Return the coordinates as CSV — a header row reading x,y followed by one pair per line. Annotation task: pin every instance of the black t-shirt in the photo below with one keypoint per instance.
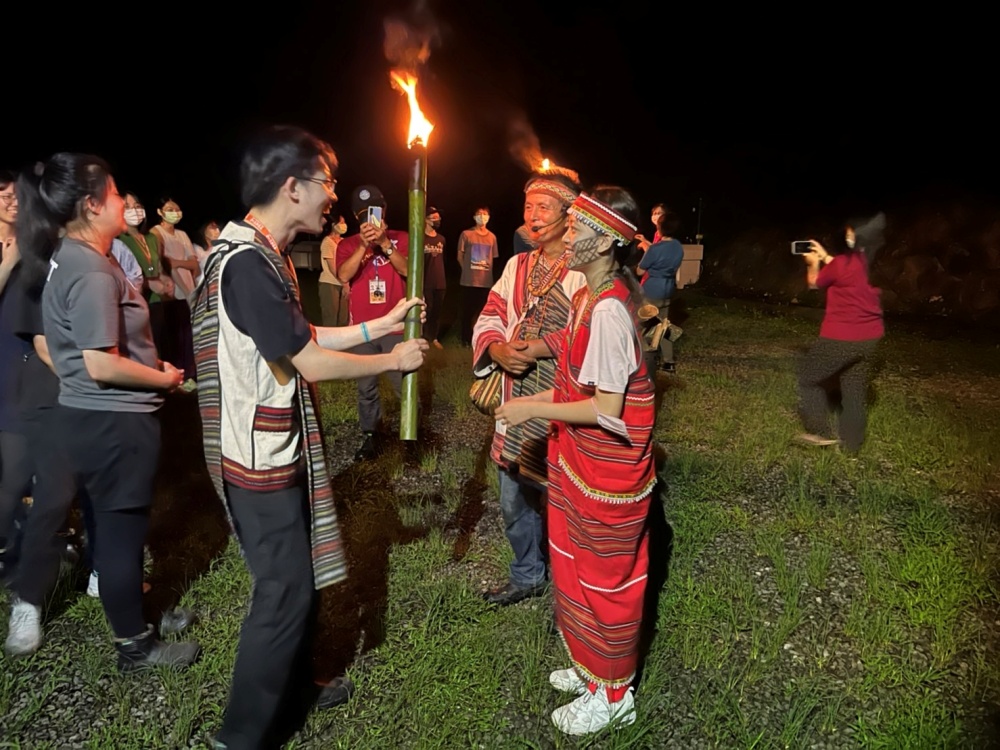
x,y
260,306
434,262
38,386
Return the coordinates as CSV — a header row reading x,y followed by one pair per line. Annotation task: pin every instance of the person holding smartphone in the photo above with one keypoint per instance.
x,y
373,263
851,329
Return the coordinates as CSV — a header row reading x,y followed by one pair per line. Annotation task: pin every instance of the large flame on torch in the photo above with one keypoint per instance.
x,y
420,126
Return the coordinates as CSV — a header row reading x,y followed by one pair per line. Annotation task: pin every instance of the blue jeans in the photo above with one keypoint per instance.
x,y
521,506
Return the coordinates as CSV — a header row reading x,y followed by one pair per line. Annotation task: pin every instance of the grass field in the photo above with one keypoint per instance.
x,y
808,599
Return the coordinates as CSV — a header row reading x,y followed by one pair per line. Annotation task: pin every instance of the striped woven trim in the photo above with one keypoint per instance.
x,y
328,559
606,497
602,218
263,480
273,419
550,187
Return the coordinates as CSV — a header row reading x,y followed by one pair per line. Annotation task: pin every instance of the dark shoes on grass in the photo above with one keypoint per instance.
x,y
145,651
369,448
512,594
337,692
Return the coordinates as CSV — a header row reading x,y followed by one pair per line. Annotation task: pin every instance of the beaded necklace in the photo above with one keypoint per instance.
x,y
538,288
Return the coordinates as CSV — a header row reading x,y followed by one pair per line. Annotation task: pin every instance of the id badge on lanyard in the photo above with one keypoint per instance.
x,y
376,290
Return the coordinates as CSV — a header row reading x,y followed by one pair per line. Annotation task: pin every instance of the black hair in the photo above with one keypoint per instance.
x,y
669,222
7,178
201,233
481,208
869,234
620,201
277,153
53,195
164,200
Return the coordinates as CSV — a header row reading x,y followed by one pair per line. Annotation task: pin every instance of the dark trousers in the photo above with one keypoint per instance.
x,y
830,362
333,304
369,403
273,531
435,303
15,480
473,301
178,343
114,456
42,548
156,324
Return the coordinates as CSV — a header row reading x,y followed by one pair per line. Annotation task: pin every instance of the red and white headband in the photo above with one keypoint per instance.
x,y
602,218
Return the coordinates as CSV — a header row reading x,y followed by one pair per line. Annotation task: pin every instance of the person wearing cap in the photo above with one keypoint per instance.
x,y
258,359
531,299
434,277
373,263
601,471
477,249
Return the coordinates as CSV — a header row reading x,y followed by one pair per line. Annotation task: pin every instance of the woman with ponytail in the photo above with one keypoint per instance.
x,y
851,329
111,385
601,472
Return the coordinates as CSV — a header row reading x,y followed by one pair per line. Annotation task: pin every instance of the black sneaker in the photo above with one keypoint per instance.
x,y
368,449
512,594
668,367
337,692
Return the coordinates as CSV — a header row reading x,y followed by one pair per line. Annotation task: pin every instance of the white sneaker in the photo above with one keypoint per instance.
x,y
592,712
24,634
568,681
93,588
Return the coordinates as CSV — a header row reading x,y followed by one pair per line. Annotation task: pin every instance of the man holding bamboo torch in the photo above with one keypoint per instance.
x,y
258,359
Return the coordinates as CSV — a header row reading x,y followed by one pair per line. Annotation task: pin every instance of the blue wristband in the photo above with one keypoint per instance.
x,y
364,332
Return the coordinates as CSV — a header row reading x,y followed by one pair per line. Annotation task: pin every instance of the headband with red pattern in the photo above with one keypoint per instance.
x,y
557,190
601,218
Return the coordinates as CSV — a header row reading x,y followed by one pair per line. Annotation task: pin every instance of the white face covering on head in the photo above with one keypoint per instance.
x,y
340,228
482,219
172,217
135,216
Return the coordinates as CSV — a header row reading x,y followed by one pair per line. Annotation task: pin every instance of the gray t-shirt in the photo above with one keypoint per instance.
x,y
89,304
476,253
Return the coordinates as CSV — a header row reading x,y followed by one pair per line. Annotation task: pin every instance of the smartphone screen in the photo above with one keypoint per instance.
x,y
801,247
375,216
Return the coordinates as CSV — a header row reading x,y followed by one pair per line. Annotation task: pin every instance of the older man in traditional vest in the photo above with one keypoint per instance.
x,y
531,300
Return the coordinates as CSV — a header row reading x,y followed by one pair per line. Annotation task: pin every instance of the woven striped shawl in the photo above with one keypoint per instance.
x,y
329,564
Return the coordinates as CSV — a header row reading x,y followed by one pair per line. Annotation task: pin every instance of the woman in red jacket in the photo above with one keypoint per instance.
x,y
851,329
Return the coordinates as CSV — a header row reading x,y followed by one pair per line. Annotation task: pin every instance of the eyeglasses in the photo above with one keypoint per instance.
x,y
8,198
328,182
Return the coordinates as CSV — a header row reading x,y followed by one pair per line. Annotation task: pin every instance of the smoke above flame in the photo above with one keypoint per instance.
x,y
526,149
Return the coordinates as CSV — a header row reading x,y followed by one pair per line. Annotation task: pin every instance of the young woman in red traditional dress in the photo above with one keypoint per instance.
x,y
601,472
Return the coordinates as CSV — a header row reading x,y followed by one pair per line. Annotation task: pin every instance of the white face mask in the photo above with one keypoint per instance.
x,y
172,217
340,228
482,219
135,216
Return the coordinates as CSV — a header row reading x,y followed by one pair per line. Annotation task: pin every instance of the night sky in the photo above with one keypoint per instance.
x,y
766,119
